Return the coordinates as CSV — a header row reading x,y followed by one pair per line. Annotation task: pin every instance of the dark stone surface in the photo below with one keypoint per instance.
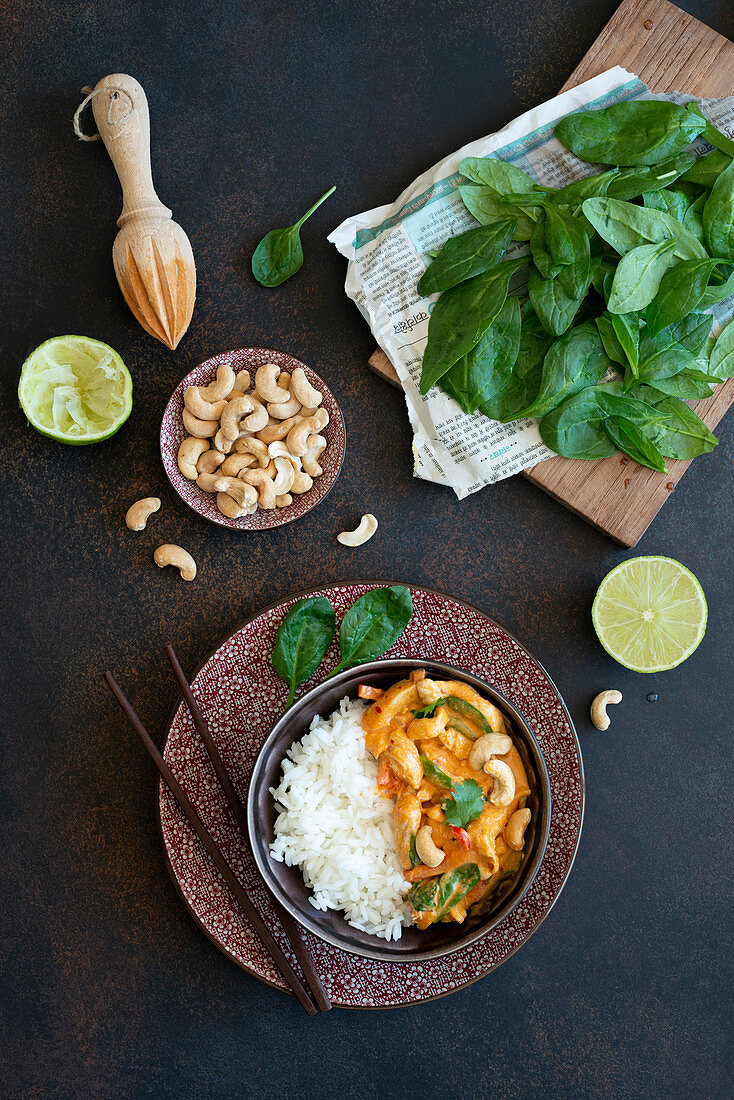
x,y
110,990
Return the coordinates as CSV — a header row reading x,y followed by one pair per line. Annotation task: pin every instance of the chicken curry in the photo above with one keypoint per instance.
x,y
445,755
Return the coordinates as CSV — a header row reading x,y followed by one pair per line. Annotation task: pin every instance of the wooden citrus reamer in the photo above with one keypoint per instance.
x,y
152,255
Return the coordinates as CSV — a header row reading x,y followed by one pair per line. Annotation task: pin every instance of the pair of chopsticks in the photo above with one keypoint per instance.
x,y
314,998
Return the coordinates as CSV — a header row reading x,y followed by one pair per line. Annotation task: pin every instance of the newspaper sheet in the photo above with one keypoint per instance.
x,y
387,251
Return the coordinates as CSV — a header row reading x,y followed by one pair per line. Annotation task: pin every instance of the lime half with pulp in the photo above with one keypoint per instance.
x,y
75,389
649,613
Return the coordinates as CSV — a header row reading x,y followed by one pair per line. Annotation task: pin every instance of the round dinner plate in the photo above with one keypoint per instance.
x,y
173,433
241,696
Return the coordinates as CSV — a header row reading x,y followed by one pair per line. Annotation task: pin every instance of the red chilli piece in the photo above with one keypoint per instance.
x,y
462,836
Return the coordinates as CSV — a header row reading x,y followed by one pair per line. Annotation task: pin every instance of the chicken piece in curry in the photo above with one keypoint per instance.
x,y
445,755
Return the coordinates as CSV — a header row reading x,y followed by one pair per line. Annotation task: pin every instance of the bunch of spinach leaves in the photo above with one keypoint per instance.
x,y
622,266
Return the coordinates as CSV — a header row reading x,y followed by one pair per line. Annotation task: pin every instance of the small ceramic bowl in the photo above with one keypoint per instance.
x,y
173,433
286,883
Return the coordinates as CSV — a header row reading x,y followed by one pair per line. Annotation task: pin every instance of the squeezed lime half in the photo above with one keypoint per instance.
x,y
75,390
650,613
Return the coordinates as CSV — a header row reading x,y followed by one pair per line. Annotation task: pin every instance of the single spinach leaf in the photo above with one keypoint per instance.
x,y
576,360
712,135
674,203
633,182
302,641
692,220
715,294
453,886
721,361
625,226
662,361
524,382
466,804
484,370
620,335
642,131
568,244
637,278
552,305
680,291
435,775
483,203
692,333
628,437
718,216
689,384
461,316
415,859
373,624
422,896
469,254
591,187
546,265
575,428
280,253
682,434
706,170
501,175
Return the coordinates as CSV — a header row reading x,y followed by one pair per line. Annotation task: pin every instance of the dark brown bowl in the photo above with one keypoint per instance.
x,y
286,883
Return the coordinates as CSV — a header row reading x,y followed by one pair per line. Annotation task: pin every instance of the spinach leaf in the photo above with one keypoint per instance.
x,y
415,859
637,278
591,187
718,216
469,254
575,428
568,244
577,359
524,382
688,384
453,886
706,170
280,253
625,226
546,265
662,360
501,175
692,332
715,294
553,306
466,710
721,361
620,335
461,316
628,437
302,641
633,182
674,203
682,434
484,204
713,136
637,132
680,291
435,775
423,894
373,624
692,219
466,804
485,370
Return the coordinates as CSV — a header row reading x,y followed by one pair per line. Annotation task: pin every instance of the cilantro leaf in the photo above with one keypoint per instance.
x,y
429,709
466,805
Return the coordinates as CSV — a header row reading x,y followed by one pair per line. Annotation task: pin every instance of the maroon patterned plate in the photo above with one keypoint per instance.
x,y
173,433
241,696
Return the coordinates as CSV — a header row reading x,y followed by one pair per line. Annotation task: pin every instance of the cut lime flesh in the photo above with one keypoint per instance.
x,y
75,390
650,613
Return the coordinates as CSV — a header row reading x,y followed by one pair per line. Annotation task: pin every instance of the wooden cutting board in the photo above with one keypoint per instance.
x,y
670,51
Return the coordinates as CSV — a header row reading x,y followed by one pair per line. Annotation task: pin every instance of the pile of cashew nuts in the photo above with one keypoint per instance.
x,y
253,449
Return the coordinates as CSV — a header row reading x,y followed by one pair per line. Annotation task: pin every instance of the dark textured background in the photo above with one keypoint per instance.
x,y
110,988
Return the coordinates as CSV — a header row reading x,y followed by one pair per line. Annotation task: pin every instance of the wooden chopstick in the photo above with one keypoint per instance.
x,y
293,981
292,931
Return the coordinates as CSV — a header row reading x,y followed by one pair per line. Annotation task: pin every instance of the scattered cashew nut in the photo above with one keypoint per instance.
x,y
138,513
266,384
599,715
302,389
515,829
426,849
503,791
365,531
487,746
170,554
189,454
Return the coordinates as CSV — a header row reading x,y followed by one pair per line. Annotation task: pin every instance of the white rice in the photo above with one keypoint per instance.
x,y
334,827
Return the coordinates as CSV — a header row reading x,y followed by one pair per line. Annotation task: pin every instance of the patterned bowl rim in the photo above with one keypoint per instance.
x,y
285,519
224,638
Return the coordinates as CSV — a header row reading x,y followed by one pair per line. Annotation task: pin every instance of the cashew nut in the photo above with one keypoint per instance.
x,y
297,441
302,389
205,410
599,715
366,529
189,454
170,554
284,501
515,829
264,485
229,507
323,418
284,476
316,444
503,791
222,443
202,429
212,483
249,446
210,461
302,482
282,410
426,849
138,513
258,418
278,449
487,746
245,495
233,413
242,381
266,384
221,389
275,430
233,464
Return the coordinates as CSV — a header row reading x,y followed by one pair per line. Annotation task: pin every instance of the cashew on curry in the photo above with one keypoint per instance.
x,y
444,754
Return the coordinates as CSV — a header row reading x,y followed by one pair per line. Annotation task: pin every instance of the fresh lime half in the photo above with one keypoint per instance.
x,y
75,389
649,613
